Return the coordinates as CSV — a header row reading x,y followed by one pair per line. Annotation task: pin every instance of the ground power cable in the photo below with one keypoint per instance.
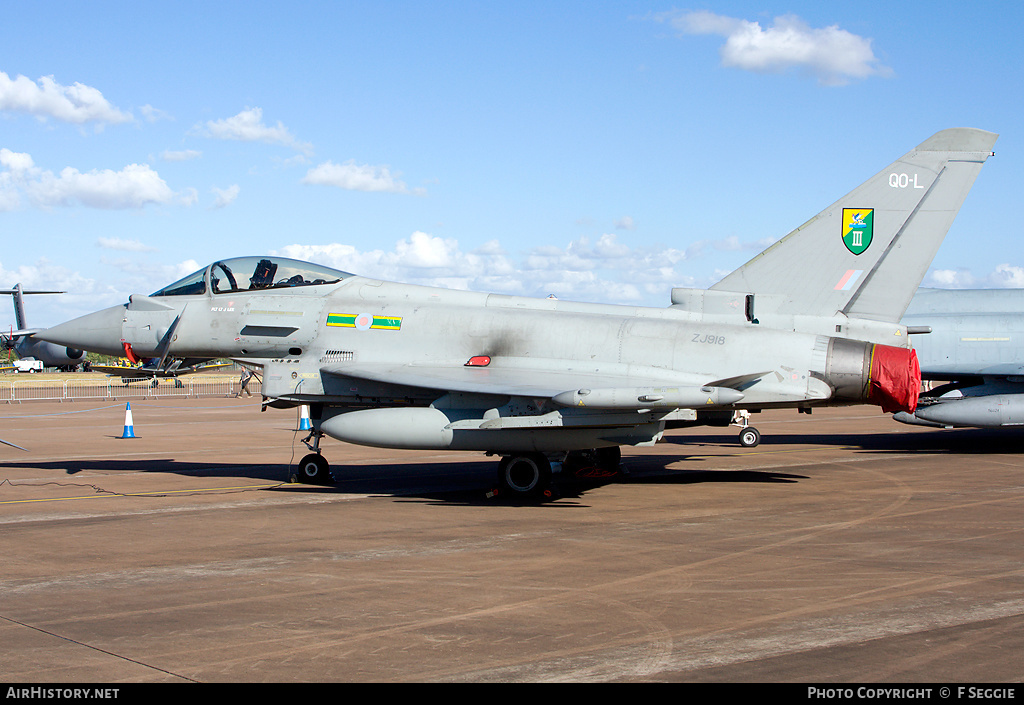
x,y
96,648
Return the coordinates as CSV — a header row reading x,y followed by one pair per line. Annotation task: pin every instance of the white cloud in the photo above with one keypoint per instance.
x,y
154,114
183,155
248,126
950,279
18,162
1004,276
601,271
116,243
420,259
1007,276
226,196
355,177
89,294
831,54
134,186
46,98
625,223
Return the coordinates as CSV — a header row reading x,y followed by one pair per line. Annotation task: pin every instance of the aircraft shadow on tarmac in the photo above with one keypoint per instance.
x,y
473,483
458,482
971,441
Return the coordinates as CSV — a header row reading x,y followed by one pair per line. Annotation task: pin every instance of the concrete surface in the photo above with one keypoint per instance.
x,y
844,548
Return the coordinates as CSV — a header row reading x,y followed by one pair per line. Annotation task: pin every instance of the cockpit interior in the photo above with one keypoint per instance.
x,y
242,274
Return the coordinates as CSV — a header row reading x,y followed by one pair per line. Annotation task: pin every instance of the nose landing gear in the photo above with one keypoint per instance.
x,y
313,468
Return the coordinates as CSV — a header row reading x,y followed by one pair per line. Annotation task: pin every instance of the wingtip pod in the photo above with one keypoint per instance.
x,y
895,379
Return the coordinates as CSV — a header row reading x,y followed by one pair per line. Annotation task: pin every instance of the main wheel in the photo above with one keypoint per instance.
x,y
315,470
749,437
524,475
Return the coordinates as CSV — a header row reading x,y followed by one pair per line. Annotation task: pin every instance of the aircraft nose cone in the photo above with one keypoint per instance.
x,y
98,332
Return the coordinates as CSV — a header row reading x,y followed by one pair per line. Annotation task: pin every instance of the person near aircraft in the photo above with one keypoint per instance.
x,y
243,382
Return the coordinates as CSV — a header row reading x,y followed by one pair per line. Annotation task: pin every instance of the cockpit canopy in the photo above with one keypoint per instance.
x,y
252,274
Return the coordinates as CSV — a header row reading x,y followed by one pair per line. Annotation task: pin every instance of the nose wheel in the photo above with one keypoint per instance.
x,y
314,468
749,437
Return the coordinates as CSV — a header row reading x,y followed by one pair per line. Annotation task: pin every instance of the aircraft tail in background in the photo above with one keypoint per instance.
x,y
19,304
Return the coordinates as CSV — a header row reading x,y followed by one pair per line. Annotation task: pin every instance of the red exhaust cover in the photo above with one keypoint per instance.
x,y
895,378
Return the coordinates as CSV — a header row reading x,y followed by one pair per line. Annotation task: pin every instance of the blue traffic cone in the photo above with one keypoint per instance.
x,y
304,424
129,427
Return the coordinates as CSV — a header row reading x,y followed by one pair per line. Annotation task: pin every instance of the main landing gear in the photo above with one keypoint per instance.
x,y
529,475
520,475
525,476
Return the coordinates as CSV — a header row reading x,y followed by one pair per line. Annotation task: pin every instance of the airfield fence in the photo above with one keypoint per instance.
x,y
82,390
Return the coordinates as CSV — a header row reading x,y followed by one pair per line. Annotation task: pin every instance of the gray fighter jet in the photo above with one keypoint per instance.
x,y
813,320
25,342
975,348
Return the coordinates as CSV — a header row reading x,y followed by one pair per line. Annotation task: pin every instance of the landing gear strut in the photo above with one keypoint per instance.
x,y
749,436
314,468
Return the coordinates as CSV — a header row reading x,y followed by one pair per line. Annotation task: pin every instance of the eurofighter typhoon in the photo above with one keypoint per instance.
x,y
975,349
548,384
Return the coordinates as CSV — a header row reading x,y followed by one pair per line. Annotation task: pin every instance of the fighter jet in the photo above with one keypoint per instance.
x,y
551,385
975,347
25,342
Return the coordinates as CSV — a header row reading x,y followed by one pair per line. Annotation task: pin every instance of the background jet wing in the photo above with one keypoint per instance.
x,y
527,378
120,371
148,372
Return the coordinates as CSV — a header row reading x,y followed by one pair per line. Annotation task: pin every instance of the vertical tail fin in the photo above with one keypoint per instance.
x,y
865,255
19,304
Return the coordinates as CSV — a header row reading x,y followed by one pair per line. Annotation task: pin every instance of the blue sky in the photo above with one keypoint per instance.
x,y
599,151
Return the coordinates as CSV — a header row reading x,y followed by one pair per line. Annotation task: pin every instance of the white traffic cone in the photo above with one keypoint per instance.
x,y
129,427
304,424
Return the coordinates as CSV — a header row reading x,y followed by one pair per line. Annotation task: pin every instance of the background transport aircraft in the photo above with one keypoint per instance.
x,y
975,347
554,385
24,341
